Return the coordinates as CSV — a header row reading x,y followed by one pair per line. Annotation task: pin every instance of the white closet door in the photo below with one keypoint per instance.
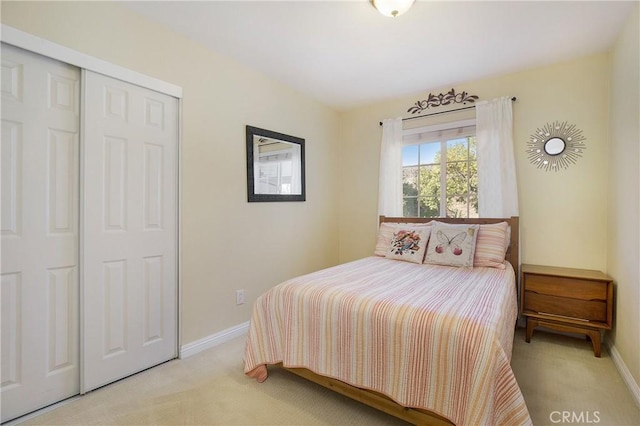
x,y
39,261
129,243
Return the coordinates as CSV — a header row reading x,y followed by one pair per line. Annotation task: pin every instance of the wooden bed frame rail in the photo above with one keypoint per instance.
x,y
373,399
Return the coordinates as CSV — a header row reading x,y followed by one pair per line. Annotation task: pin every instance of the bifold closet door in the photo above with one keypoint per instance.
x,y
39,260
129,244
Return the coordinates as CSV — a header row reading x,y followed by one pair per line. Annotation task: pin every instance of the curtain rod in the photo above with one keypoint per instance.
x,y
443,112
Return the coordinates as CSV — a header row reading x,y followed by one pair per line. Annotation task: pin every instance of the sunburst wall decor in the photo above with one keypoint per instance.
x,y
555,145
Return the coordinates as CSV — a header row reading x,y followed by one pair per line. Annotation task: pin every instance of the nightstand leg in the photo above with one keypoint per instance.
x,y
594,335
531,324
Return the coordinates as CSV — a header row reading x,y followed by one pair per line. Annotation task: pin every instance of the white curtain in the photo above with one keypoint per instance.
x,y
390,184
497,186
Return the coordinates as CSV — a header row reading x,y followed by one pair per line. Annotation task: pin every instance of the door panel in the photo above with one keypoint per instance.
x,y
130,233
39,286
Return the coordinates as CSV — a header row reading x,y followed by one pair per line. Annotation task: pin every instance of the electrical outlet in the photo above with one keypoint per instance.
x,y
239,297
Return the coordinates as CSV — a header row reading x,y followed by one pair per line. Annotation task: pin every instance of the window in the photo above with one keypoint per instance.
x,y
440,173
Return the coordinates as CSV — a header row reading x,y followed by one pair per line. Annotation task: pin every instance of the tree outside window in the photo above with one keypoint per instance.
x,y
437,185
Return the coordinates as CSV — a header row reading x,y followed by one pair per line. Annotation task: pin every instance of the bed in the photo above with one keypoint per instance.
x,y
427,343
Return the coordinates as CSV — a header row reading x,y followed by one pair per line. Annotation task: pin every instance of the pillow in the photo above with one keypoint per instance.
x,y
452,245
409,243
491,245
385,235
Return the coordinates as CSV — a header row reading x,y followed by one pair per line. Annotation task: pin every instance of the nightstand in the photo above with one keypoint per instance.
x,y
567,300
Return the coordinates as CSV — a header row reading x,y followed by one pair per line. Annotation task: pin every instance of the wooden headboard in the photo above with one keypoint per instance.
x,y
512,252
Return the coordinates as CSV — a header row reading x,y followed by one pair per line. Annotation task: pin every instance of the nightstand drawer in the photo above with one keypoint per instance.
x,y
574,308
566,287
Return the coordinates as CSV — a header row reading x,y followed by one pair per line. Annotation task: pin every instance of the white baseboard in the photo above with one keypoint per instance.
x,y
213,340
625,373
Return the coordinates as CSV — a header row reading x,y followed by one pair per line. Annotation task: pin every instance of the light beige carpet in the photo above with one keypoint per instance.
x,y
562,382
556,374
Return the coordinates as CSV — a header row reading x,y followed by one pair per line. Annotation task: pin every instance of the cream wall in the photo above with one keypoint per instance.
x,y
623,249
563,215
228,244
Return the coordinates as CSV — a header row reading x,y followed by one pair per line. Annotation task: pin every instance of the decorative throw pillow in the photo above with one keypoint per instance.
x,y
452,245
491,245
409,243
385,235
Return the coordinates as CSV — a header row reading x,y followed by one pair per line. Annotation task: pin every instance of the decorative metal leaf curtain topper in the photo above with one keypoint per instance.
x,y
451,97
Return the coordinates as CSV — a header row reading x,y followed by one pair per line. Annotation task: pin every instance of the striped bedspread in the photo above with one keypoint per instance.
x,y
430,337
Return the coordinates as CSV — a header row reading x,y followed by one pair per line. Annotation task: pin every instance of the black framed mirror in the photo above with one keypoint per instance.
x,y
275,166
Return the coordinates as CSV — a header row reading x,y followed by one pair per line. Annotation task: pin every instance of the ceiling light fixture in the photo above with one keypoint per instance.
x,y
392,8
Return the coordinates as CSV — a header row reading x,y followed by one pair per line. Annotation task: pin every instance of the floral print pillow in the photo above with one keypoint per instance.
x,y
409,243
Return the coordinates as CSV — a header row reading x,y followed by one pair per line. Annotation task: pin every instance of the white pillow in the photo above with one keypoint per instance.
x,y
452,245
